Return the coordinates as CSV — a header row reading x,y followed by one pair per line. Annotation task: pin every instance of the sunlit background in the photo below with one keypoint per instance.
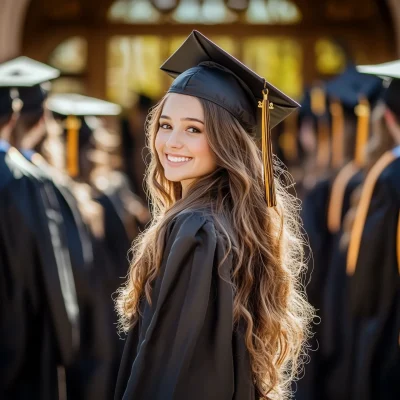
x,y
113,49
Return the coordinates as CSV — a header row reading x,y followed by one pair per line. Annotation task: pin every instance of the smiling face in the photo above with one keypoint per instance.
x,y
181,141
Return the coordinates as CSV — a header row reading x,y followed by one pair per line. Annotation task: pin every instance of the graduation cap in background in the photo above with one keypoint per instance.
x,y
27,76
204,70
73,106
389,72
352,94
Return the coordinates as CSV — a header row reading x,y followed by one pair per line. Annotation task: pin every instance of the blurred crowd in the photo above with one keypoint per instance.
x,y
349,135
72,201
69,213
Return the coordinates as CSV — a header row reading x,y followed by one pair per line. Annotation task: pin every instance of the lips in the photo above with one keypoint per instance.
x,y
177,159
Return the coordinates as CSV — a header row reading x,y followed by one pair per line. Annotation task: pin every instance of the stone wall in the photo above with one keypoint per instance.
x,y
12,16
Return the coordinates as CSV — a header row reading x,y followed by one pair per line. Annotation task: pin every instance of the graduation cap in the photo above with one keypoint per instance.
x,y
390,72
202,69
73,106
351,93
27,76
25,72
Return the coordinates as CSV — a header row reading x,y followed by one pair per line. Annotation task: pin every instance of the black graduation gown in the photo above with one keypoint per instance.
x,y
185,345
37,300
374,295
114,248
314,216
89,376
336,334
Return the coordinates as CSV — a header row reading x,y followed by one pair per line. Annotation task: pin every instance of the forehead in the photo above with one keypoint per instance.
x,y
182,106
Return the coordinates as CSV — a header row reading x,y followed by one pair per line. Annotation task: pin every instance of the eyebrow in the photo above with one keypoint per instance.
x,y
184,119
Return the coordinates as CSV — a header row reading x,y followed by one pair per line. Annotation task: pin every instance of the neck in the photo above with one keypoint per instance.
x,y
185,186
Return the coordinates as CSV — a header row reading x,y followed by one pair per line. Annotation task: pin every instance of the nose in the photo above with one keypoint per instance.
x,y
174,140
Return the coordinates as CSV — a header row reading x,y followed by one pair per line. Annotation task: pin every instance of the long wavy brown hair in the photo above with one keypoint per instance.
x,y
266,245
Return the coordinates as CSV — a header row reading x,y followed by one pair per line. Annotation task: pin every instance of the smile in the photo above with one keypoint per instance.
x,y
177,160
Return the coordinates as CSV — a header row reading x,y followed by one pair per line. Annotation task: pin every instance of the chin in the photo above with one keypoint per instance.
x,y
176,178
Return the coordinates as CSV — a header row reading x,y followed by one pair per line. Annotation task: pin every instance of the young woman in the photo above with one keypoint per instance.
x,y
214,304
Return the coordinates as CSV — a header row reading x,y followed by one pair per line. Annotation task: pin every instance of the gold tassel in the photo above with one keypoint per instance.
x,y
73,125
288,139
266,148
337,134
363,112
363,208
335,207
318,107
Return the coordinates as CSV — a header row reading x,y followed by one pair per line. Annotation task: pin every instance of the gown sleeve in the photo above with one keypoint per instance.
x,y
374,293
314,216
184,348
377,262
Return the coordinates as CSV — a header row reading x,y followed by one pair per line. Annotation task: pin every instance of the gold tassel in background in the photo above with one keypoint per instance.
x,y
337,133
72,125
363,112
266,105
362,210
288,139
318,107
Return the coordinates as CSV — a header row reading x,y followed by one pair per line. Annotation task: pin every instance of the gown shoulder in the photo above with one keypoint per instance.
x,y
184,345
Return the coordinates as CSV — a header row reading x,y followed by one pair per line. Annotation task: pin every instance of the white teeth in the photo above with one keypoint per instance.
x,y
177,159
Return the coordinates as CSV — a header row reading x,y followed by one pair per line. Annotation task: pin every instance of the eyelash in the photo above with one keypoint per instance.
x,y
169,127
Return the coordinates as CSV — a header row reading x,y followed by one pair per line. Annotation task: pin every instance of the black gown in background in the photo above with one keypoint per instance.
x,y
336,333
185,345
113,250
314,216
89,376
375,292
38,302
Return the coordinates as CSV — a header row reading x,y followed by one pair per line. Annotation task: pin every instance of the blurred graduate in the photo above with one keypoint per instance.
x,y
342,105
373,257
39,320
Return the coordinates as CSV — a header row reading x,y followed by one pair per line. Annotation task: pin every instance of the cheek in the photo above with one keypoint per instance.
x,y
204,154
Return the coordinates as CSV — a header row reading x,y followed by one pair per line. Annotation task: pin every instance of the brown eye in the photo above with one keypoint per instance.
x,y
192,129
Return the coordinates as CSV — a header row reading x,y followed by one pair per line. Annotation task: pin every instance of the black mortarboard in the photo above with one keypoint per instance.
x,y
350,86
78,132
207,71
352,94
391,71
202,69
